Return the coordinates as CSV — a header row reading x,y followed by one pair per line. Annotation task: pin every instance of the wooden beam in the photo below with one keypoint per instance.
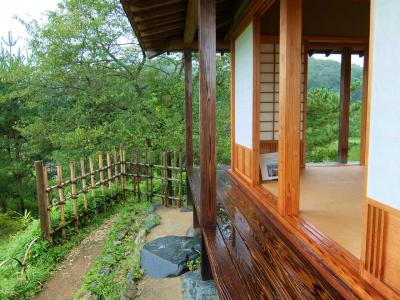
x,y
364,116
188,112
191,21
207,71
255,169
289,106
344,115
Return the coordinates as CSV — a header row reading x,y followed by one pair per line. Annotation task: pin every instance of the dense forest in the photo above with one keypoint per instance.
x,y
84,86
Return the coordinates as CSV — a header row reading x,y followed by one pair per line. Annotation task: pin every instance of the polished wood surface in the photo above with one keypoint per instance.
x,y
188,111
344,114
380,261
364,115
335,265
207,74
255,158
191,21
265,264
243,161
289,106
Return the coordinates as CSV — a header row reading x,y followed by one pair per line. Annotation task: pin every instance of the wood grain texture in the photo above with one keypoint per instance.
x,y
233,123
191,21
255,157
243,161
289,106
364,116
267,265
381,262
335,264
207,73
344,114
189,111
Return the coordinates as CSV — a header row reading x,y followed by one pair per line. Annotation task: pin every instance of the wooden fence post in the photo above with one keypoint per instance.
x,y
137,175
151,175
92,182
165,180
73,193
169,178
123,169
109,175
180,179
84,186
147,175
101,167
115,167
61,197
41,187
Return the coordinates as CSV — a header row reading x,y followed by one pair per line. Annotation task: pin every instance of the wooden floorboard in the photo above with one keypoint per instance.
x,y
266,264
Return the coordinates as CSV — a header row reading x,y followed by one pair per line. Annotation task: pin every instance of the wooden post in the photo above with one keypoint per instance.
x,y
123,169
109,175
42,201
207,71
188,112
289,106
115,167
151,175
180,179
47,198
169,178
73,193
165,181
363,142
101,172
92,176
84,186
136,177
344,116
147,176
61,198
93,182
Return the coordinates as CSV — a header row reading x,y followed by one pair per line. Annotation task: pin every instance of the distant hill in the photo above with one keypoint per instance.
x,y
326,73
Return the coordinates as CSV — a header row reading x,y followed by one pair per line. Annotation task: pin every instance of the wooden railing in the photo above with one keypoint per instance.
x,y
65,202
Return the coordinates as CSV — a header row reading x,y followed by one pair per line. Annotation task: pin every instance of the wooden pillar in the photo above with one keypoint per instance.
x,y
344,115
363,151
188,112
207,69
289,106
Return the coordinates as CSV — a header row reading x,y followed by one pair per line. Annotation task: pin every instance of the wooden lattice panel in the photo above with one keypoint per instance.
x,y
269,92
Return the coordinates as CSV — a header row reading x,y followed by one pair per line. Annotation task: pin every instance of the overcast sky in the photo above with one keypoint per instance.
x,y
25,9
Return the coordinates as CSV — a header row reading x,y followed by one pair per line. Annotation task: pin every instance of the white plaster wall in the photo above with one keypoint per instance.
x,y
384,145
244,88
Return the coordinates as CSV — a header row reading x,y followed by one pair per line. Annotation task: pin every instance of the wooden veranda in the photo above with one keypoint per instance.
x,y
257,245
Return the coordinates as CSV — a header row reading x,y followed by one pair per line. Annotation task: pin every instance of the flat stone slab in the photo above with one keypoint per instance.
x,y
196,289
168,256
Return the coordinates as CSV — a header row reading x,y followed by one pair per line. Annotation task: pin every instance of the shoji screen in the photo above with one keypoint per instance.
x,y
269,96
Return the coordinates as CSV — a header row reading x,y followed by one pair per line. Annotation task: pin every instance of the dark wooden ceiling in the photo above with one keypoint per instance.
x,y
160,25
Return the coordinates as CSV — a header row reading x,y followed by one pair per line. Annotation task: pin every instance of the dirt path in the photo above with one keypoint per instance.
x,y
173,222
68,279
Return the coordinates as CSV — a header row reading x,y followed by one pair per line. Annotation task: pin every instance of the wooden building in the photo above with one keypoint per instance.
x,y
326,232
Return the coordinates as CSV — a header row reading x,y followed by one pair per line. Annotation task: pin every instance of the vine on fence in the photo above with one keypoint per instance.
x,y
117,177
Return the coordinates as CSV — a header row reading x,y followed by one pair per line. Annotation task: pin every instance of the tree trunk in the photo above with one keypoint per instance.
x,y
3,208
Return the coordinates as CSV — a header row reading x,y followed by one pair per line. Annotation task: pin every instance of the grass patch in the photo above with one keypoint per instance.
x,y
10,225
43,259
120,258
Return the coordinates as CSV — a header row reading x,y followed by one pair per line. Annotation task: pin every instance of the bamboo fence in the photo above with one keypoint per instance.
x,y
140,175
